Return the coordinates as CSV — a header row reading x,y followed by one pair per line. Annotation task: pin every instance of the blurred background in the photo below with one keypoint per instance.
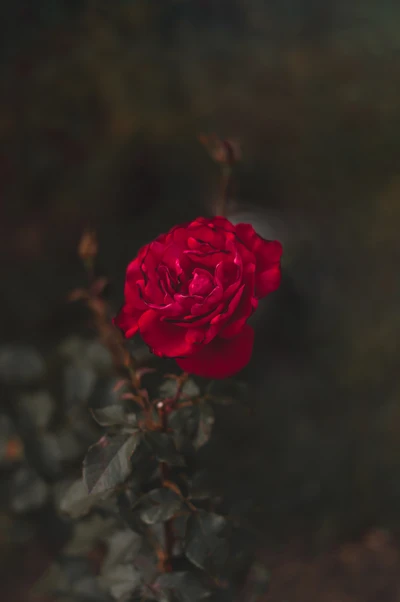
x,y
101,104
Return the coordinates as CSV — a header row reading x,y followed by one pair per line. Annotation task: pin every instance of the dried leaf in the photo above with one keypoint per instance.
x,y
88,246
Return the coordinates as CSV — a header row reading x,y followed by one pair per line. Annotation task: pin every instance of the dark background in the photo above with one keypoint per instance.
x,y
100,107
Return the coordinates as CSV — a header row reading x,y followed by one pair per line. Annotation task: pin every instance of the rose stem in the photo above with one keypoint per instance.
x,y
109,335
226,178
165,408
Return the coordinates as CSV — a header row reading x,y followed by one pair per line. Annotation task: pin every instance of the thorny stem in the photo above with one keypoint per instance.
x,y
109,335
226,179
165,408
224,190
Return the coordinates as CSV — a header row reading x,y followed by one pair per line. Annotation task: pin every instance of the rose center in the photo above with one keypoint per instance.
x,y
202,283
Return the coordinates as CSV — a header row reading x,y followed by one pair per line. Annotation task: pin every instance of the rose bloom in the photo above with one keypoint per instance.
x,y
190,292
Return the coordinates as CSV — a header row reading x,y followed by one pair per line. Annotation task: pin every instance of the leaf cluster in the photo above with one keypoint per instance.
x,y
145,467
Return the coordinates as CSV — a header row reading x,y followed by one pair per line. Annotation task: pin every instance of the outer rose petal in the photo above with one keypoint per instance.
x,y
221,358
268,281
268,255
127,320
163,338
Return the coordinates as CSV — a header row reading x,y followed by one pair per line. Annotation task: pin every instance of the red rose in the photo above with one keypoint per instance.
x,y
190,293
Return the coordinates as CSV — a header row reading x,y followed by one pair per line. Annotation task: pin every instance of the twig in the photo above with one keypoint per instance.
x,y
164,409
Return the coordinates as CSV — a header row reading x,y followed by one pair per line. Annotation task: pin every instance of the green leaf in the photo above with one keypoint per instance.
x,y
107,463
122,547
124,579
28,491
205,547
163,447
39,407
205,424
109,416
180,587
169,389
78,501
21,364
227,391
79,382
159,505
199,486
192,422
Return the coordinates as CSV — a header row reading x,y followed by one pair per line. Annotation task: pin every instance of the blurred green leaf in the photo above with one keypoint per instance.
x,y
122,547
107,463
227,391
79,381
163,447
205,547
28,491
109,416
193,422
159,505
78,501
205,424
180,587
39,406
20,364
169,389
121,581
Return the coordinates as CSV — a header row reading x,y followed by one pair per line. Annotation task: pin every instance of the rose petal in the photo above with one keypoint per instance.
x,y
241,311
127,320
163,338
268,281
214,223
268,255
202,282
221,358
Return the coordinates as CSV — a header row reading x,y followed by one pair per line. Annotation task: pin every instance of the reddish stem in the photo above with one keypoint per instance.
x,y
165,408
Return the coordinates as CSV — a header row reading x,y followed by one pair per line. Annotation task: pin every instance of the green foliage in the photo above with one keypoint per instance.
x,y
173,548
107,463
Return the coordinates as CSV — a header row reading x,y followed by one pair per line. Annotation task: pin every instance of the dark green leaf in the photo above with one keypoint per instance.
x,y
107,463
159,505
39,406
28,491
169,389
192,422
199,486
227,391
205,547
163,447
123,546
109,416
121,581
78,501
79,381
180,587
205,424
20,364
